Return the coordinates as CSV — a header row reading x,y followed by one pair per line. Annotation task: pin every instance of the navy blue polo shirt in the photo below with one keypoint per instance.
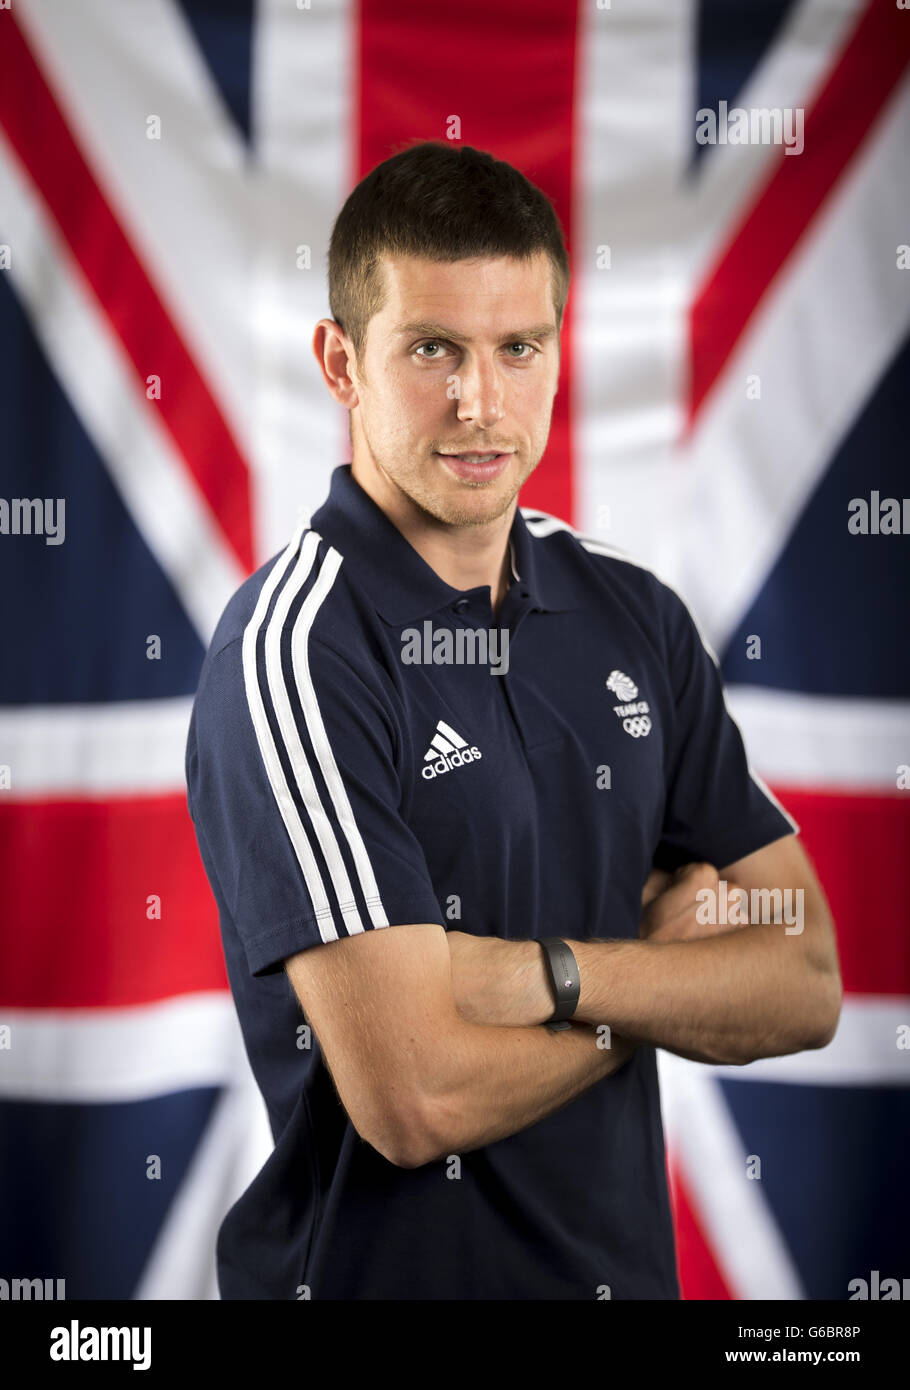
x,y
337,787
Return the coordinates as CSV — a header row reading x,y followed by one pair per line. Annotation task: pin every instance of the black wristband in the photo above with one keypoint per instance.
x,y
565,981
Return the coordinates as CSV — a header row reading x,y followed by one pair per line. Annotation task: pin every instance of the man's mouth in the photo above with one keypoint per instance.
x,y
475,458
476,465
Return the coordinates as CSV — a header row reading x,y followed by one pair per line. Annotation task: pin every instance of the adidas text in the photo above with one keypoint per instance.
x,y
446,761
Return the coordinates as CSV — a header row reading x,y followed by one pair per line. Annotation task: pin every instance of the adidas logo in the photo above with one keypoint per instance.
x,y
446,751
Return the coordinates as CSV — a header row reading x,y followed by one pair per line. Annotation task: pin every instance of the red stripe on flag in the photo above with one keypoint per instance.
x,y
699,1273
852,97
53,162
859,846
508,72
76,878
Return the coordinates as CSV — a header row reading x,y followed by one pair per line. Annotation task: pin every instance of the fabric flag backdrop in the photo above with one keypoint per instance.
x,y
735,372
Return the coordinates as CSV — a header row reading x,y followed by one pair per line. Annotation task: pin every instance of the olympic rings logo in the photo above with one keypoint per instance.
x,y
638,725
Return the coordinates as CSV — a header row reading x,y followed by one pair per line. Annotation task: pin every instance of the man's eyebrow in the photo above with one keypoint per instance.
x,y
437,330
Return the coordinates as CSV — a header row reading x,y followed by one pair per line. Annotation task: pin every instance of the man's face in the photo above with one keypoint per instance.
x,y
462,359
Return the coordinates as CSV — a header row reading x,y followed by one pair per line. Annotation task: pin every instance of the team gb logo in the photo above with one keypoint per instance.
x,y
622,687
635,714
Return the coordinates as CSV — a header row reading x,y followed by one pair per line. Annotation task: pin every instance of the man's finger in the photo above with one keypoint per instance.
x,y
657,881
696,868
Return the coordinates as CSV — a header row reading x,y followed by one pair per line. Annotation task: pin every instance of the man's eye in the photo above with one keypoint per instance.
x,y
437,346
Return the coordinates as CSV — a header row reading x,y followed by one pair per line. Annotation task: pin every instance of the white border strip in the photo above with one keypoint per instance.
x,y
282,792
118,749
824,741
305,140
819,343
186,201
863,1052
322,906
91,365
293,745
802,54
231,1152
121,1054
323,749
732,1209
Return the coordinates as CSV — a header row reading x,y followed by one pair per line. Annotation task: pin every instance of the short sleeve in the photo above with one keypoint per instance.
x,y
294,789
716,808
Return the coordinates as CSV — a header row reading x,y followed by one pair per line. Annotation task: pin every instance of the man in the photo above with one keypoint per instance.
x,y
390,832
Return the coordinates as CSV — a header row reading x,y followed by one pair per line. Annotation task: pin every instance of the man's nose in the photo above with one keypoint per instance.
x,y
480,395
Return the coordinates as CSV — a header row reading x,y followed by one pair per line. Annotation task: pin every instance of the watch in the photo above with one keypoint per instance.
x,y
565,981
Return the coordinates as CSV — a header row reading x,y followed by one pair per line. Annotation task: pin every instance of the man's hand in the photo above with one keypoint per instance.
x,y
669,904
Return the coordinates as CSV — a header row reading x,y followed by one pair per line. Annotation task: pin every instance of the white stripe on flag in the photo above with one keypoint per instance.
x,y
187,201
132,1053
703,1139
634,139
823,740
121,1054
306,140
233,1149
865,1050
791,70
751,477
732,1209
118,749
91,365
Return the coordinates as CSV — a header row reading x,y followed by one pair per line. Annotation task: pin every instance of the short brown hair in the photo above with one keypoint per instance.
x,y
445,203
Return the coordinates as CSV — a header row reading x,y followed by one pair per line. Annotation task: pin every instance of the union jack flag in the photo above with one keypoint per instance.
x,y
735,371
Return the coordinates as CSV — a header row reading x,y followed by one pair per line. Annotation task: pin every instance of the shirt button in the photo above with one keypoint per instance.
x,y
461,605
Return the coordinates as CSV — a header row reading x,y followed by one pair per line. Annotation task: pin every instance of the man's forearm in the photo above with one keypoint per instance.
x,y
721,996
500,1080
729,998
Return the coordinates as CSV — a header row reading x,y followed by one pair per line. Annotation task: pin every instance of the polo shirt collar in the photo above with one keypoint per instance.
x,y
400,582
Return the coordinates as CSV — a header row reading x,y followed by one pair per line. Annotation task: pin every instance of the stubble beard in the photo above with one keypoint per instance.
x,y
447,507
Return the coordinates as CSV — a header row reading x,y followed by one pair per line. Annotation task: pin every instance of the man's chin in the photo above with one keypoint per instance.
x,y
451,501
473,506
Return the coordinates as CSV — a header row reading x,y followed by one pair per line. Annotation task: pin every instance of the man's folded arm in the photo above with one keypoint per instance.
x,y
417,1080
711,992
299,779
